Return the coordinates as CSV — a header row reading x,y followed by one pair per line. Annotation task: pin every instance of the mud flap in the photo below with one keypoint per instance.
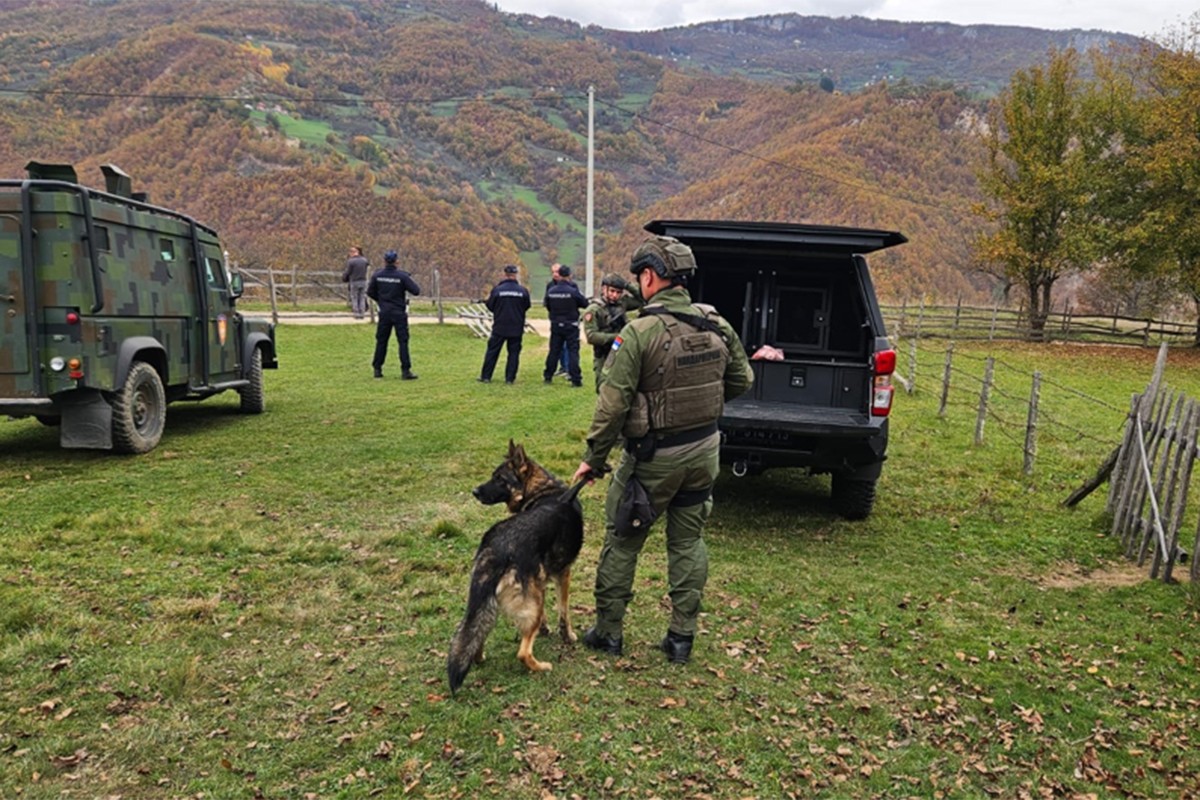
x,y
86,422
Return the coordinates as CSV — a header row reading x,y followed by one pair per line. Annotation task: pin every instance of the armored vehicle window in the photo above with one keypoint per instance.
x,y
101,236
167,248
215,272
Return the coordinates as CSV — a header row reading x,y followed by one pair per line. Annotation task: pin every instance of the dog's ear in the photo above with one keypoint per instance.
x,y
518,455
512,449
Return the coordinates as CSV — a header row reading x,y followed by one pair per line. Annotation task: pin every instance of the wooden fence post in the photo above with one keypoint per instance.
x,y
274,300
437,293
295,291
984,392
992,330
1160,455
946,381
1134,521
912,366
903,317
1185,458
957,315
920,318
1140,405
1031,423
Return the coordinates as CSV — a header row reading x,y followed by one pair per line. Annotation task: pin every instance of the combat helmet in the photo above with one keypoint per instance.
x,y
666,255
613,279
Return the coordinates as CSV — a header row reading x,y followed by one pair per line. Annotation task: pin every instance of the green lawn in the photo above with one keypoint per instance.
x,y
262,606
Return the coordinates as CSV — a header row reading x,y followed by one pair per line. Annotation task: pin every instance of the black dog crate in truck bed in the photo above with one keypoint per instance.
x,y
804,291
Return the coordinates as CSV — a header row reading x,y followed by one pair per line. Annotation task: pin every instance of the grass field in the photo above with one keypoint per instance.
x,y
261,608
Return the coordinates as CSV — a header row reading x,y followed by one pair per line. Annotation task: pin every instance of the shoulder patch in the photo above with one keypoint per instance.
x,y
616,345
588,317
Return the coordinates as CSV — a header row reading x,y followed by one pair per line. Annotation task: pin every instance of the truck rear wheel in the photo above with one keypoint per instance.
x,y
253,399
853,497
139,411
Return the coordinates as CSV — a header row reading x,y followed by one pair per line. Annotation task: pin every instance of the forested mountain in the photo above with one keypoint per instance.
x,y
457,133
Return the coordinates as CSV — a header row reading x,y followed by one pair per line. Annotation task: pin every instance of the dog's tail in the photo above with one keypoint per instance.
x,y
472,632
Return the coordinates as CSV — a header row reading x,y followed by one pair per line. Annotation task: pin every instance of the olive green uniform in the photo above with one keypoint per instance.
x,y
680,420
601,322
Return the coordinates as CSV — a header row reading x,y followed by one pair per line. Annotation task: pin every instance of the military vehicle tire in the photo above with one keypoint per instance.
x,y
853,497
139,411
253,398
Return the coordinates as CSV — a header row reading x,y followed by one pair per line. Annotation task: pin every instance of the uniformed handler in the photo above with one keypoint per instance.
x,y
604,318
508,303
563,301
666,381
389,288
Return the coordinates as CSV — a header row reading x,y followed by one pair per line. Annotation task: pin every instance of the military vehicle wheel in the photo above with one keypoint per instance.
x,y
853,497
139,411
253,399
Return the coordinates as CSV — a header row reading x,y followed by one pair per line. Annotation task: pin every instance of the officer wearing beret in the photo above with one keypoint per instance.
x,y
508,303
390,287
605,317
563,300
666,380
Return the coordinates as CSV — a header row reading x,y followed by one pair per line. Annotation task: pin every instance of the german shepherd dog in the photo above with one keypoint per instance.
x,y
515,560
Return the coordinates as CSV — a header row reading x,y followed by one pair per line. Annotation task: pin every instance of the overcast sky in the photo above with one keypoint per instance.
x,y
1139,17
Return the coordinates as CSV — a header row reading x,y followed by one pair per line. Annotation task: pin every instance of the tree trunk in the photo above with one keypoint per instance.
x,y
1196,301
1037,312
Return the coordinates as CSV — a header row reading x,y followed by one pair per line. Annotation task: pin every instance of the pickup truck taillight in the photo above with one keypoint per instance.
x,y
883,365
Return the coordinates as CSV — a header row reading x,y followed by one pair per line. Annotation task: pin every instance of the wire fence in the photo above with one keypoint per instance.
x,y
1149,472
1005,399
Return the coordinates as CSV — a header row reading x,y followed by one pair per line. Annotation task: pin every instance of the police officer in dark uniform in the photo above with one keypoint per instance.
x,y
390,287
668,375
563,301
508,303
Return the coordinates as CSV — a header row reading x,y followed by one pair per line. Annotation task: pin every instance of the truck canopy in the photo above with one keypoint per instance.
x,y
816,240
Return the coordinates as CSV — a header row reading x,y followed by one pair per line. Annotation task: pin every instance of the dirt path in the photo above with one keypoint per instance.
x,y
313,318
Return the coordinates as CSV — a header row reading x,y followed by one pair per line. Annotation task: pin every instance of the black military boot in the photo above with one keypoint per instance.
x,y
605,644
378,372
408,375
677,647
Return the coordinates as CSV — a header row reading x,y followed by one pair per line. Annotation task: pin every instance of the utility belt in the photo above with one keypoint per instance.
x,y
643,448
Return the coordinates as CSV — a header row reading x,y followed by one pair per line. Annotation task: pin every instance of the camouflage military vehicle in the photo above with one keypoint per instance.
x,y
802,296
110,308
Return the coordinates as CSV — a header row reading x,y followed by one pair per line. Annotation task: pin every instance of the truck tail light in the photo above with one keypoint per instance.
x,y
884,364
75,368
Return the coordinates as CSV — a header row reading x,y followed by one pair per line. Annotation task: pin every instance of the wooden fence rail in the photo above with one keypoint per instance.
x,y
313,286
997,323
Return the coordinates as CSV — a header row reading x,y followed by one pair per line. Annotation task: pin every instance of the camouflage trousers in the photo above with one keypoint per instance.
x,y
679,481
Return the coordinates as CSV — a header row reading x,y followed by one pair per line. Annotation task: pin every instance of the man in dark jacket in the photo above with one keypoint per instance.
x,y
390,287
508,303
563,301
355,274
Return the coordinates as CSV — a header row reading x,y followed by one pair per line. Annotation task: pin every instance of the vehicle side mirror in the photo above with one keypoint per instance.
x,y
236,286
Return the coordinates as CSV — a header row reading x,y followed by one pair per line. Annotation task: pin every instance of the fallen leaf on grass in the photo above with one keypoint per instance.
x,y
78,757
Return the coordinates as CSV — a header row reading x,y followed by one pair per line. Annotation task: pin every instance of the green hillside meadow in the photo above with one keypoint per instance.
x,y
261,606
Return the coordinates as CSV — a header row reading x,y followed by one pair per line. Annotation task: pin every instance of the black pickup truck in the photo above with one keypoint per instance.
x,y
805,291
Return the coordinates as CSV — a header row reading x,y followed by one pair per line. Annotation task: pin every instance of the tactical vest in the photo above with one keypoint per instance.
x,y
683,371
610,318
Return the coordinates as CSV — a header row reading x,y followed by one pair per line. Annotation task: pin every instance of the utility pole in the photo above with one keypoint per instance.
x,y
591,165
